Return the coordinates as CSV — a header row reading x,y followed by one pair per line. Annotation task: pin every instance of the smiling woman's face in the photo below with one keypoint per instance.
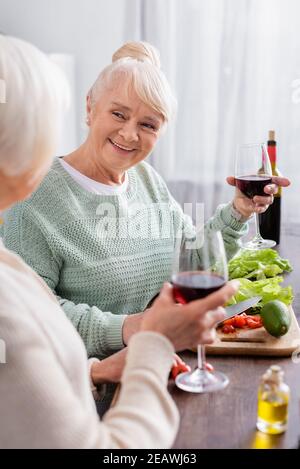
x,y
123,130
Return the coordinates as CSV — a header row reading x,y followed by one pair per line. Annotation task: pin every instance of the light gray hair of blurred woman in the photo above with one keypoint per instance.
x,y
137,64
35,94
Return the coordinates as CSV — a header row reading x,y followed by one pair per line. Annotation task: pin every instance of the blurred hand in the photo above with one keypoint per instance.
x,y
188,325
258,204
131,325
109,370
178,366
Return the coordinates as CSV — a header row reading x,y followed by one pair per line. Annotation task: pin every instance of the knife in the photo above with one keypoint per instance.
x,y
238,308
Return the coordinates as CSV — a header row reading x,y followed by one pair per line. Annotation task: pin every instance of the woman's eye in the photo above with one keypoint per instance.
x,y
149,126
119,115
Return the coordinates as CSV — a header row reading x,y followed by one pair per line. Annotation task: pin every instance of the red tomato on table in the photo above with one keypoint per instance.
x,y
242,321
182,367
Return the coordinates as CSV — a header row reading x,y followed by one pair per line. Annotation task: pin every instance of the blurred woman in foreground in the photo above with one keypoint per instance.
x,y
46,381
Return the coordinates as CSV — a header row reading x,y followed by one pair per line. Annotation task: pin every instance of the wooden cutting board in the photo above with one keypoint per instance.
x,y
256,342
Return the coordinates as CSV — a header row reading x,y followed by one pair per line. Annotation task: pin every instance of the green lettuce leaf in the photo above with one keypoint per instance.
x,y
268,289
259,265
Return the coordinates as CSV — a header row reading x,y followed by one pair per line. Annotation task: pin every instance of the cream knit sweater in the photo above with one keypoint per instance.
x,y
105,256
45,396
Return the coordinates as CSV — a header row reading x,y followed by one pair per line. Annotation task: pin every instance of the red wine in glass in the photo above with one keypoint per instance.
x,y
196,273
253,171
190,286
253,185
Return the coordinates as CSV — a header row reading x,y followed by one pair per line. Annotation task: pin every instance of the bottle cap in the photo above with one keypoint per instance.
x,y
272,135
274,374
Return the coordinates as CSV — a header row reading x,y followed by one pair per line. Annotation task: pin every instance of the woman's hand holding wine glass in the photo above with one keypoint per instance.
x,y
258,204
189,324
255,187
200,271
247,207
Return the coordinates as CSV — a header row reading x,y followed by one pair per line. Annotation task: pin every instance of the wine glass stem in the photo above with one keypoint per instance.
x,y
201,357
257,230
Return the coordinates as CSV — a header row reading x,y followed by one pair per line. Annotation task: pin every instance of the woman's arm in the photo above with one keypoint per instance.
x,y
101,331
223,220
231,228
42,407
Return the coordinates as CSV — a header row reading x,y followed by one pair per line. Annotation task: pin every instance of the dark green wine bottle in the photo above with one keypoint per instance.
x,y
269,222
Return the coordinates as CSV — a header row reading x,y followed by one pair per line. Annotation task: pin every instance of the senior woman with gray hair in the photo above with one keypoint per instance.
x,y
45,395
101,228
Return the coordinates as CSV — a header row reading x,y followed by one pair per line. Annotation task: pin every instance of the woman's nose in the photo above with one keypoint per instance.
x,y
129,132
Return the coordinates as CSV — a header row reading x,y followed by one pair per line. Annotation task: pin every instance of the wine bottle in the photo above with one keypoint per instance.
x,y
269,221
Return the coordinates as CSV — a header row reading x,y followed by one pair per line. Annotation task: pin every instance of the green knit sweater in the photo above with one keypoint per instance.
x,y
104,256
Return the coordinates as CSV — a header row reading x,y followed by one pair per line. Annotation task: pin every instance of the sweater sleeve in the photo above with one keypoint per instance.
x,y
223,220
42,410
152,416
101,331
232,230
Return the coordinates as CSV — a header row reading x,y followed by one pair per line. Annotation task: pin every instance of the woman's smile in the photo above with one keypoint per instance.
x,y
121,149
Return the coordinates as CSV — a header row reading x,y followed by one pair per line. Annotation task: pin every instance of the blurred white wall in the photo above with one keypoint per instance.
x,y
88,30
234,65
68,138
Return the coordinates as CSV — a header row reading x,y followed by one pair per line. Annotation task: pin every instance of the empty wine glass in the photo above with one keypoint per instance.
x,y
253,172
197,272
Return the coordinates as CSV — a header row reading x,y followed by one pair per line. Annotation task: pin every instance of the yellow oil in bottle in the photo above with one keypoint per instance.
x,y
264,441
273,399
273,412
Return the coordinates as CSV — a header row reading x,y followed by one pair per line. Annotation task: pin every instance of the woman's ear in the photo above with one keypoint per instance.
x,y
88,110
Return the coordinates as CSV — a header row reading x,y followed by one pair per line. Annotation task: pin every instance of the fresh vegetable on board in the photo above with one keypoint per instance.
x,y
276,318
268,289
257,265
242,321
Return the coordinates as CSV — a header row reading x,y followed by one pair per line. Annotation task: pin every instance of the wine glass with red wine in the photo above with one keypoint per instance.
x,y
253,172
199,270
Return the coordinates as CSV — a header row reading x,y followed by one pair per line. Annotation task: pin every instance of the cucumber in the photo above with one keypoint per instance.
x,y
276,318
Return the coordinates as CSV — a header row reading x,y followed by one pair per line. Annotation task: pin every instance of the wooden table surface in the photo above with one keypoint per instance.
x,y
227,419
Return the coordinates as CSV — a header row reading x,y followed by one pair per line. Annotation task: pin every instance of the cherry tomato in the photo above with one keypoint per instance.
x,y
240,321
209,367
179,368
253,324
256,317
228,328
229,322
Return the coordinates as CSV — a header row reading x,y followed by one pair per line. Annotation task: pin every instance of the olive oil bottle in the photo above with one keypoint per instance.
x,y
273,400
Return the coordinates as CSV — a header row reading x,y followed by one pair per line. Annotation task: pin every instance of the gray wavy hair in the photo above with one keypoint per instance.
x,y
34,95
